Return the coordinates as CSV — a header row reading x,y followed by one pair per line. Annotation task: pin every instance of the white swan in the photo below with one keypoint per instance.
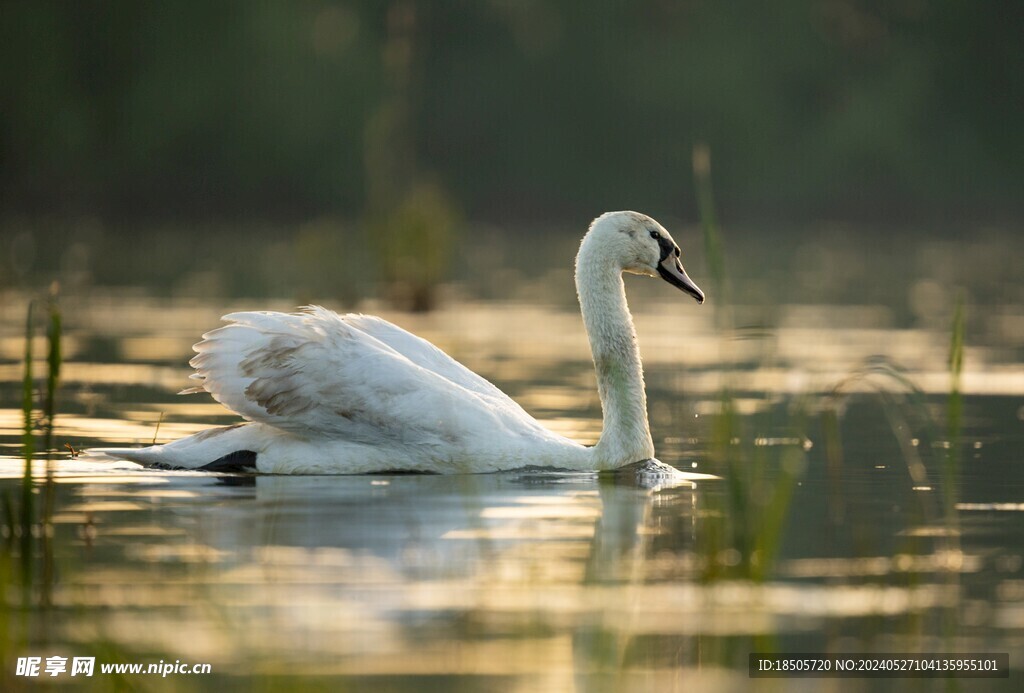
x,y
340,394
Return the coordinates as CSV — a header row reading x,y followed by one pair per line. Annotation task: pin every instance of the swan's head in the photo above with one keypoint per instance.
x,y
640,245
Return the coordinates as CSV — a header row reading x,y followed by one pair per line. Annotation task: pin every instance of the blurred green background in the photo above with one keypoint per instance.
x,y
523,108
137,136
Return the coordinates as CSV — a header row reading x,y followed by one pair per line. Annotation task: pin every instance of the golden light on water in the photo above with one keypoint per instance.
x,y
506,344
499,563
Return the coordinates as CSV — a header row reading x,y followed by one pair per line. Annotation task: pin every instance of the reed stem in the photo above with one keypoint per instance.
x,y
954,411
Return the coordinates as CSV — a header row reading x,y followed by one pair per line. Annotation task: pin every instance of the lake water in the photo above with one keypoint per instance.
x,y
831,523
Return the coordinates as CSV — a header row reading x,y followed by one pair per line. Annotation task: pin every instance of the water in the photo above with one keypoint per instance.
x,y
533,579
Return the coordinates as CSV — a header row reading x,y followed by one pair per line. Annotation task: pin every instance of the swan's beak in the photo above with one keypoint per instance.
x,y
671,270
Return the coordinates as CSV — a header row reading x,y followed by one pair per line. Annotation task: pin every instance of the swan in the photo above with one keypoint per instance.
x,y
325,393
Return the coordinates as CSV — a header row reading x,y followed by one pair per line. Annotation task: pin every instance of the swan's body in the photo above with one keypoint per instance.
x,y
327,393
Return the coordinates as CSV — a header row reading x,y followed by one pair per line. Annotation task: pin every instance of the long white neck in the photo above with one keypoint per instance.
x,y
626,436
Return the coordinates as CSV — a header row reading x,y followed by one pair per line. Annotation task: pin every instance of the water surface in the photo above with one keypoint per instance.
x,y
533,579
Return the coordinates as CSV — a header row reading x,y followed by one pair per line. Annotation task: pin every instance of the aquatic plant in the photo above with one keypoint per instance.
x,y
53,362
742,538
954,411
27,396
25,526
713,247
906,411
156,431
28,447
411,217
413,242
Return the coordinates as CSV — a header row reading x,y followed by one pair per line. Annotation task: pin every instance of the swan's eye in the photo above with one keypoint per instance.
x,y
654,234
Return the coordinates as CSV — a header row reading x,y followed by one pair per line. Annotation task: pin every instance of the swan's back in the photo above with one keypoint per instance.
x,y
426,355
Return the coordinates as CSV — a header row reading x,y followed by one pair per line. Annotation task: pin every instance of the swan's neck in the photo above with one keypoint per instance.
x,y
626,436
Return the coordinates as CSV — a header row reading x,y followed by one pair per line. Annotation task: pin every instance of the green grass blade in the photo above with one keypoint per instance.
x,y
27,399
954,410
28,446
709,221
53,362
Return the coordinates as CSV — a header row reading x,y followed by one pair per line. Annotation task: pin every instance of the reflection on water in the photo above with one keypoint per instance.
x,y
531,580
543,580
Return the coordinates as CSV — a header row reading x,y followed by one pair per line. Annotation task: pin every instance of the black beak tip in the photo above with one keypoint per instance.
x,y
679,280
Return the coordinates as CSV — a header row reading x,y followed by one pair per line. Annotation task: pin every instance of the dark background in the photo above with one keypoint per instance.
x,y
511,110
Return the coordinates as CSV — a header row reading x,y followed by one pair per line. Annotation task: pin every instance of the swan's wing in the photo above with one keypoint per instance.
x,y
426,355
317,372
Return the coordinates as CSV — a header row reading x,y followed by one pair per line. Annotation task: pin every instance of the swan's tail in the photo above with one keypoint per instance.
x,y
226,449
147,457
